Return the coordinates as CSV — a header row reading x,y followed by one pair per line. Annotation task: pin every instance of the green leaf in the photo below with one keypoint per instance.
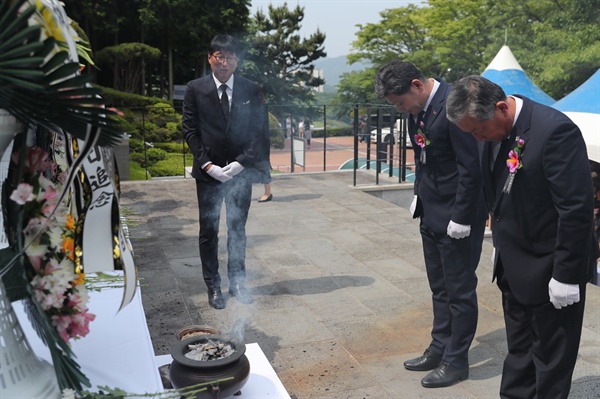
x,y
25,50
63,71
19,82
13,278
22,62
55,62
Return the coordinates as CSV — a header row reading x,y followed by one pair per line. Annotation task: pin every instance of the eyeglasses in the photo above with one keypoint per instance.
x,y
221,58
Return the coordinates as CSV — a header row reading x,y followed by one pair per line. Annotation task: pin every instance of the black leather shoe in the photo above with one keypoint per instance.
x,y
444,376
269,198
215,299
428,361
241,293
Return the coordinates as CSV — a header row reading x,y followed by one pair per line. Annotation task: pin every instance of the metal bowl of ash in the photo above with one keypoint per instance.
x,y
206,359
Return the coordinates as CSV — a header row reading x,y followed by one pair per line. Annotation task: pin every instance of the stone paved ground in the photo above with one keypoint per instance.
x,y
341,297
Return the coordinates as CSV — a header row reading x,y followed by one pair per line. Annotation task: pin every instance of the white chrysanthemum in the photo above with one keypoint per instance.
x,y
33,248
44,184
80,297
55,234
68,393
59,280
34,226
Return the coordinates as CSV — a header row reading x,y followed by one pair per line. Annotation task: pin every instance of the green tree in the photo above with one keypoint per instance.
x,y
184,28
356,88
556,41
280,60
127,63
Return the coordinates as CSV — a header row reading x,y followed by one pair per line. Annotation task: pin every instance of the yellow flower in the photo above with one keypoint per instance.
x,y
79,280
50,26
70,224
68,247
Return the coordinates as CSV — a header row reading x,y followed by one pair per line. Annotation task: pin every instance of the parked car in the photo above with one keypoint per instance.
x,y
386,136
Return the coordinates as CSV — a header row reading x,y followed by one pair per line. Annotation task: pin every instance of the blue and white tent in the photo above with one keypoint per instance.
x,y
582,105
505,71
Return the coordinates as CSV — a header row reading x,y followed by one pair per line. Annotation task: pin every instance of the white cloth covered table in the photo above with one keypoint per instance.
x,y
118,350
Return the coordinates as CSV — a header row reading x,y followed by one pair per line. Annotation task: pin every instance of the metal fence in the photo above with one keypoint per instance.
x,y
336,141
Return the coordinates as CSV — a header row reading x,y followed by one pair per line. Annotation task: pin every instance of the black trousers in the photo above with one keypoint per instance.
x,y
451,266
236,194
542,346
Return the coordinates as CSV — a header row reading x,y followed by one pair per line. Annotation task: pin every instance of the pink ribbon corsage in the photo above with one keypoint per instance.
x,y
513,163
422,141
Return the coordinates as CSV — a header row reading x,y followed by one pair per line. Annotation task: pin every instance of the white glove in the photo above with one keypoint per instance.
x,y
561,294
233,168
413,206
493,259
216,172
457,231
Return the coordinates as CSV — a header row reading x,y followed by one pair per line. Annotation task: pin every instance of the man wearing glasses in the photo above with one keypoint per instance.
x,y
223,119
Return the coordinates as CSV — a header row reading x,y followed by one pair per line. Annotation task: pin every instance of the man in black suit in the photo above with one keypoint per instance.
x,y
539,194
449,200
222,125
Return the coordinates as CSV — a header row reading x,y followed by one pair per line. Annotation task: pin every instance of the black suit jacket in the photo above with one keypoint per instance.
x,y
210,136
449,184
543,227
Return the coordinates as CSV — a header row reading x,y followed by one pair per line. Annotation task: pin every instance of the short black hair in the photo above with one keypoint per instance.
x,y
396,77
222,43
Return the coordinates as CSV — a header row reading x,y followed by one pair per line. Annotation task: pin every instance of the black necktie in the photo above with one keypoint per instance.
x,y
420,117
225,101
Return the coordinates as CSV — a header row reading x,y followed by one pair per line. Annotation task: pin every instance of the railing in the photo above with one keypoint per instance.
x,y
390,143
334,143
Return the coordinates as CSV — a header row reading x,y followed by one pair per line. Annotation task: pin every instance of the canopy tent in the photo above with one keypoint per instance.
x,y
582,105
505,71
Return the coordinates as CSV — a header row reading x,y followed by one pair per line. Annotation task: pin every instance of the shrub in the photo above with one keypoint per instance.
x,y
136,145
136,172
123,100
152,156
172,165
334,132
174,147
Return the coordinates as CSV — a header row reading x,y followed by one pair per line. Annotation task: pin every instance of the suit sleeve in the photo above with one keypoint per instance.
x,y
191,126
250,153
470,181
567,171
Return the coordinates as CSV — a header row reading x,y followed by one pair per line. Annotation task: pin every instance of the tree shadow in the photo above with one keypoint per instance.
x,y
310,286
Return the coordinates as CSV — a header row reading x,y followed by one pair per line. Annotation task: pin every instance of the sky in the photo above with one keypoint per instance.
x,y
336,18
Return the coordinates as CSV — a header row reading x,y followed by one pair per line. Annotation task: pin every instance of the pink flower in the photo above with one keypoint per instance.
x,y
36,161
61,323
80,324
421,136
22,194
420,140
51,198
513,162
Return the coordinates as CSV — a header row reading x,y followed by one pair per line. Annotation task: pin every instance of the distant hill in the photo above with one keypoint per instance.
x,y
333,68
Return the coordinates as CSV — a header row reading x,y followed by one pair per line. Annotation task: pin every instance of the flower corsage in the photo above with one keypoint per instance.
x,y
513,163
422,141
